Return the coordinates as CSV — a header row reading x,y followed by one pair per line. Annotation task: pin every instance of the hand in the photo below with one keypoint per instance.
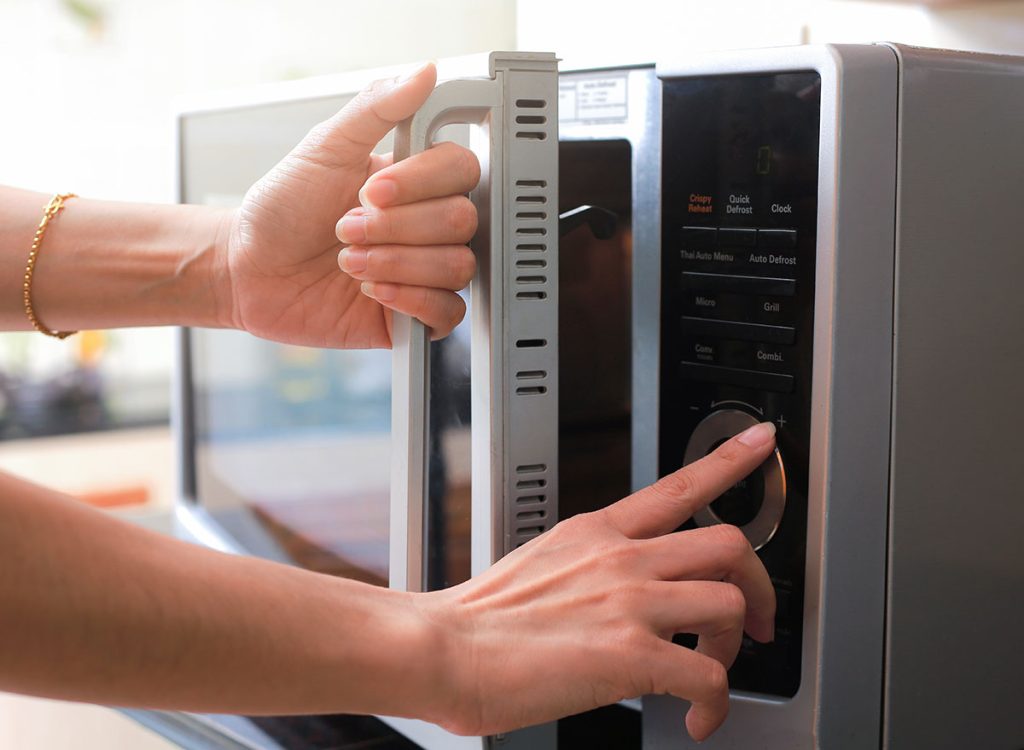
x,y
407,225
583,616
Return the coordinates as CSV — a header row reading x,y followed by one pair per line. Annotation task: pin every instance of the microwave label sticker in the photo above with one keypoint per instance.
x,y
597,99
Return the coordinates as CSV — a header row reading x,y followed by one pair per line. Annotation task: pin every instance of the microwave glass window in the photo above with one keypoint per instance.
x,y
449,461
291,450
594,328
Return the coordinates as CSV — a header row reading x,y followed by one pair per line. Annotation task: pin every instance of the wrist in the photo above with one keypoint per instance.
x,y
202,275
450,668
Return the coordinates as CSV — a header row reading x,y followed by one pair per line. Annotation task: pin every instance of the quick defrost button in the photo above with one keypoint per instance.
x,y
776,239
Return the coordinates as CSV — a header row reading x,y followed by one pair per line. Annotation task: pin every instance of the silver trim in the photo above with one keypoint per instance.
x,y
727,423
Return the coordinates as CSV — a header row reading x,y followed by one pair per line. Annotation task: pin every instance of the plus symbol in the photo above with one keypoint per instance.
x,y
781,420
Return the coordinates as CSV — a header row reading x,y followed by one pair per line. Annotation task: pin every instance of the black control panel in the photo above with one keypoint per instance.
x,y
739,211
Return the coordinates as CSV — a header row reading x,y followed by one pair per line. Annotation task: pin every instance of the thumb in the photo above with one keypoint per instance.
x,y
348,138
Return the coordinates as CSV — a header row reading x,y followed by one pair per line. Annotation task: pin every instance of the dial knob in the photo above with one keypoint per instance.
x,y
755,504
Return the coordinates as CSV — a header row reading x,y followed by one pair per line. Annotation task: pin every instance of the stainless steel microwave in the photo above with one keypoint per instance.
x,y
826,237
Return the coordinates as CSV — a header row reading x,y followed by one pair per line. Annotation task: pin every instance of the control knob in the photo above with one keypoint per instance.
x,y
755,504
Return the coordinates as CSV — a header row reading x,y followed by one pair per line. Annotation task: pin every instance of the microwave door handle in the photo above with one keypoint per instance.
x,y
514,319
453,102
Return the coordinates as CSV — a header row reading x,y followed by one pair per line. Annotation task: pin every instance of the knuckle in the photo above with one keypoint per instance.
x,y
461,219
463,266
385,264
715,678
732,602
621,554
382,226
682,483
580,525
728,452
421,306
732,541
468,165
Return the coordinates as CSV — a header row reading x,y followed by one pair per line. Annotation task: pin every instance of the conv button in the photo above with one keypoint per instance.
x,y
721,282
736,237
701,237
759,381
729,329
776,239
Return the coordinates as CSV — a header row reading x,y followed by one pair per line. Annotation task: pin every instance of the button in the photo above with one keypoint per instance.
x,y
772,310
721,282
773,357
730,329
715,255
699,237
776,239
705,303
735,237
759,381
759,503
703,351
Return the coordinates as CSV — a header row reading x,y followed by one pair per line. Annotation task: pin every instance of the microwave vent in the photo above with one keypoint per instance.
x,y
531,516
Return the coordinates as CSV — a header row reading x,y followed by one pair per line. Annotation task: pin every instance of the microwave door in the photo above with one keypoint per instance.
x,y
512,430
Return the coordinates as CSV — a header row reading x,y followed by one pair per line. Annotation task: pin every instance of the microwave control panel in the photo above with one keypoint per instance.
x,y
739,212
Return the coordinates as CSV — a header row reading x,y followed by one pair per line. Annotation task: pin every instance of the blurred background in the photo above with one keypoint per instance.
x,y
89,92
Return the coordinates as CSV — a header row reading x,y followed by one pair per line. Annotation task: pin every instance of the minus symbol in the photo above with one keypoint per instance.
x,y
694,408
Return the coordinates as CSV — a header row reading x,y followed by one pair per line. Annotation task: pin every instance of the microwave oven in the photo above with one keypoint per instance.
x,y
825,237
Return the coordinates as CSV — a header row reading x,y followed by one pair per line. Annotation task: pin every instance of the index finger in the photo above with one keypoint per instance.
x,y
663,506
443,170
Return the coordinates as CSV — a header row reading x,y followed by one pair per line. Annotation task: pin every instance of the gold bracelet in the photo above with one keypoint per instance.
x,y
49,213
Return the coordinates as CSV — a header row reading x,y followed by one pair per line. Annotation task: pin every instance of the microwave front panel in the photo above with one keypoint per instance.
x,y
777,266
739,207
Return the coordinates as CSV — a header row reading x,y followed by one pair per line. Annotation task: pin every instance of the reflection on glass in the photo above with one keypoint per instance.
x,y
449,462
292,450
594,329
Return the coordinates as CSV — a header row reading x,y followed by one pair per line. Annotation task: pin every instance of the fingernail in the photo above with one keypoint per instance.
x,y
380,292
353,259
382,192
758,435
413,73
352,229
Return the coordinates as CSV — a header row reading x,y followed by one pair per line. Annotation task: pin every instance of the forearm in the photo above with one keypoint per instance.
x,y
97,610
105,264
